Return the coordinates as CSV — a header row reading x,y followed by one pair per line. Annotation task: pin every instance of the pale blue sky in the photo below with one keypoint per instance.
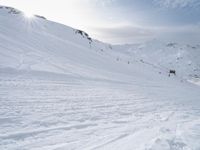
x,y
122,21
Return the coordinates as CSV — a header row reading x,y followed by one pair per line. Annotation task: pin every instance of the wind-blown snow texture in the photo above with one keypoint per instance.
x,y
62,90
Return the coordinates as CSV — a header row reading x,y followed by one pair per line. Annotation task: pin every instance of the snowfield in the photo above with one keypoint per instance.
x,y
62,90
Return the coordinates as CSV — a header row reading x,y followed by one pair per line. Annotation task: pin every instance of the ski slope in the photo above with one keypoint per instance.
x,y
184,58
62,90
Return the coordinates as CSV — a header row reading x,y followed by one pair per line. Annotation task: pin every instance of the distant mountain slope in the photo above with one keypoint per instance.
x,y
184,58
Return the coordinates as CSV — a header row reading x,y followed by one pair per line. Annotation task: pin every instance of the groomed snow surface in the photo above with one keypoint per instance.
x,y
61,91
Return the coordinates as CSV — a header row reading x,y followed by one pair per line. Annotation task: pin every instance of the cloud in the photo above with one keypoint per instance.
x,y
103,3
177,3
132,34
107,2
123,34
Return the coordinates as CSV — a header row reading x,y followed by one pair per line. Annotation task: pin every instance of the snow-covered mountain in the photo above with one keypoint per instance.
x,y
184,58
37,44
61,89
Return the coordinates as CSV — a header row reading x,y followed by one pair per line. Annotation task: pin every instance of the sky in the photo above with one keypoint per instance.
x,y
122,21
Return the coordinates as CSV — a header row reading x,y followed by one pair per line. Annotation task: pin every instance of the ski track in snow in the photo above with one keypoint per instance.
x,y
46,114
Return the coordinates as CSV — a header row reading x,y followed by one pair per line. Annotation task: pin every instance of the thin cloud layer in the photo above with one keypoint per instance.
x,y
178,3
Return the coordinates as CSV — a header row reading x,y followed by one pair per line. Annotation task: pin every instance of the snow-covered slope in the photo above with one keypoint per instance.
x,y
60,89
41,45
184,58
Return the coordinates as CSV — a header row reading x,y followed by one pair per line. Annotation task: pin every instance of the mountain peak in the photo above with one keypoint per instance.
x,y
14,11
10,10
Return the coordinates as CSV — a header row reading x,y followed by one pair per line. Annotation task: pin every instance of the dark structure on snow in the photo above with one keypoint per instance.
x,y
172,72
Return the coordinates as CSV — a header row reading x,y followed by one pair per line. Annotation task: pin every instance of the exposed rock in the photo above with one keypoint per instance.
x,y
38,16
84,34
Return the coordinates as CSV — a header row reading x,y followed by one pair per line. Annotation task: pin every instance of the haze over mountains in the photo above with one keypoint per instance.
x,y
61,89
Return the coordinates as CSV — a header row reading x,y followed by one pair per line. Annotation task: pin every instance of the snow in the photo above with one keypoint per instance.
x,y
184,58
58,91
